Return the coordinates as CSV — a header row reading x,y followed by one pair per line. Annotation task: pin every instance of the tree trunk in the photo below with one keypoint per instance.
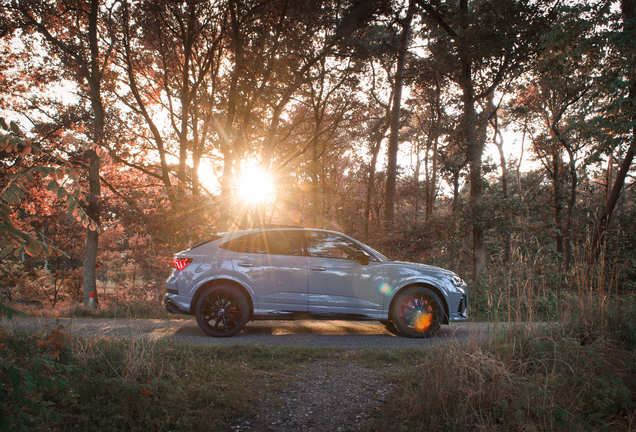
x,y
185,110
571,204
520,219
375,150
474,154
498,141
474,147
315,186
132,82
427,177
391,171
612,199
226,190
435,130
628,8
558,218
315,156
455,193
89,283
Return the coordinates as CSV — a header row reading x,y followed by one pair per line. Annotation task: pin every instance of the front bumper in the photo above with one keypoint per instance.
x,y
461,314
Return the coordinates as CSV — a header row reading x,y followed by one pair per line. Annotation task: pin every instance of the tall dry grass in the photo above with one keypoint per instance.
x,y
565,362
521,380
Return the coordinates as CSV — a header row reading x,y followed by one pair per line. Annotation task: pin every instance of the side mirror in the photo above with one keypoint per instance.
x,y
355,254
364,260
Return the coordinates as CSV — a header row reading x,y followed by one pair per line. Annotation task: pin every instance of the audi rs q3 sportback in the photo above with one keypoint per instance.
x,y
303,273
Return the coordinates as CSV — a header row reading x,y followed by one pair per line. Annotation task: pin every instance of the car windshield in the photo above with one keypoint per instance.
x,y
378,254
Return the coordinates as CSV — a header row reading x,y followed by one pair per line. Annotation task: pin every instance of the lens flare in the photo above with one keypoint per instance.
x,y
422,321
385,288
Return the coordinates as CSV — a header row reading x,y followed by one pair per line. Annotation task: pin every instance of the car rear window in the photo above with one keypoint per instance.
x,y
210,240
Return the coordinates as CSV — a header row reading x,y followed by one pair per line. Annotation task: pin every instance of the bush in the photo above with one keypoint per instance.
x,y
34,372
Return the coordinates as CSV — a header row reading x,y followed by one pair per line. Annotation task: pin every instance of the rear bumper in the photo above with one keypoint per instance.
x,y
173,306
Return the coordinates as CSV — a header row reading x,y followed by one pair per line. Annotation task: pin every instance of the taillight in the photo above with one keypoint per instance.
x,y
181,263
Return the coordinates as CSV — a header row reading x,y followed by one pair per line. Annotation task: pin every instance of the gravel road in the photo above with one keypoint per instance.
x,y
334,334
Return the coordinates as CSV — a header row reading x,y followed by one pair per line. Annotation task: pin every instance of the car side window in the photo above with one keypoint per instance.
x,y
277,243
328,245
239,244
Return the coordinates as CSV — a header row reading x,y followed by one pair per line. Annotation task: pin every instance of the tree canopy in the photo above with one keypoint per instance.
x,y
460,133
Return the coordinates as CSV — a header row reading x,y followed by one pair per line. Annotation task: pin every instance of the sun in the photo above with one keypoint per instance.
x,y
254,185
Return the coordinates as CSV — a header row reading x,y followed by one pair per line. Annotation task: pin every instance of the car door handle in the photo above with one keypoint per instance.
x,y
318,268
246,264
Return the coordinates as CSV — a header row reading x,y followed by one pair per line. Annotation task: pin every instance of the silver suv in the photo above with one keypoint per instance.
x,y
298,273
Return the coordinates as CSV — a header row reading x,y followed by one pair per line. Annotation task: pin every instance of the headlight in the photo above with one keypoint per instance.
x,y
457,281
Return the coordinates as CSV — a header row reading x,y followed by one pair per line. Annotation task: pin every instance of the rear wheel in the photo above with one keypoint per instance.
x,y
417,312
222,311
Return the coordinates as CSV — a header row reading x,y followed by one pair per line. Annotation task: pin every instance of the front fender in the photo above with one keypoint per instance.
x,y
429,282
418,280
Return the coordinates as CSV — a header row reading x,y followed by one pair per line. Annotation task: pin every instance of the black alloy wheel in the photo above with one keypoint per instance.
x,y
222,311
417,312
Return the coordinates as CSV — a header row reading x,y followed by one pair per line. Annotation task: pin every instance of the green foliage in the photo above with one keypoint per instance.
x,y
12,239
32,374
139,384
7,311
561,377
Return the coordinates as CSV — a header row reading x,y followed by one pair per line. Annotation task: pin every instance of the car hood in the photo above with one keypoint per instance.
x,y
423,268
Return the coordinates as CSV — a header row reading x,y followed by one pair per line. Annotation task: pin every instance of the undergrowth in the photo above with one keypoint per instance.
x,y
577,375
575,372
142,385
127,310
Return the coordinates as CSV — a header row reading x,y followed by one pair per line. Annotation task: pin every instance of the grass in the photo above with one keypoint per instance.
x,y
108,308
575,376
543,380
130,310
164,387
137,384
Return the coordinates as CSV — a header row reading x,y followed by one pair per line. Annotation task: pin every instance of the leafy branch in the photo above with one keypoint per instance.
x,y
13,239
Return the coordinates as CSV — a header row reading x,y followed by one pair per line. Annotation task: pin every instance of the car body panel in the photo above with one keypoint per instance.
x,y
347,287
279,280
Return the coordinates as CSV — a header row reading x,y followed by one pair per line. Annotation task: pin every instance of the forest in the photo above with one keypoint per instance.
x,y
494,138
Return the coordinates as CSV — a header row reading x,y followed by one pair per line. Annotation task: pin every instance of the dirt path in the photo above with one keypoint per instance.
x,y
324,397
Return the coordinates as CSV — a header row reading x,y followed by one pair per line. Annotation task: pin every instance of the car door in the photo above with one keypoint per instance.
x,y
274,266
344,279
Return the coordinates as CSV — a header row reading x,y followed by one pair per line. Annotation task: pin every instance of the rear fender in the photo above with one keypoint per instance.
x,y
225,280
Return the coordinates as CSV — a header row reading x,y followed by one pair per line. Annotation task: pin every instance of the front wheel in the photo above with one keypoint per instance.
x,y
222,311
417,312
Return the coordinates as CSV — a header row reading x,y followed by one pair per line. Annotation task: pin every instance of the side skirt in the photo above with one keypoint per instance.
x,y
292,315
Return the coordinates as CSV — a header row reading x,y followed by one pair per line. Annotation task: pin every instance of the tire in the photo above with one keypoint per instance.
x,y
222,311
417,312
